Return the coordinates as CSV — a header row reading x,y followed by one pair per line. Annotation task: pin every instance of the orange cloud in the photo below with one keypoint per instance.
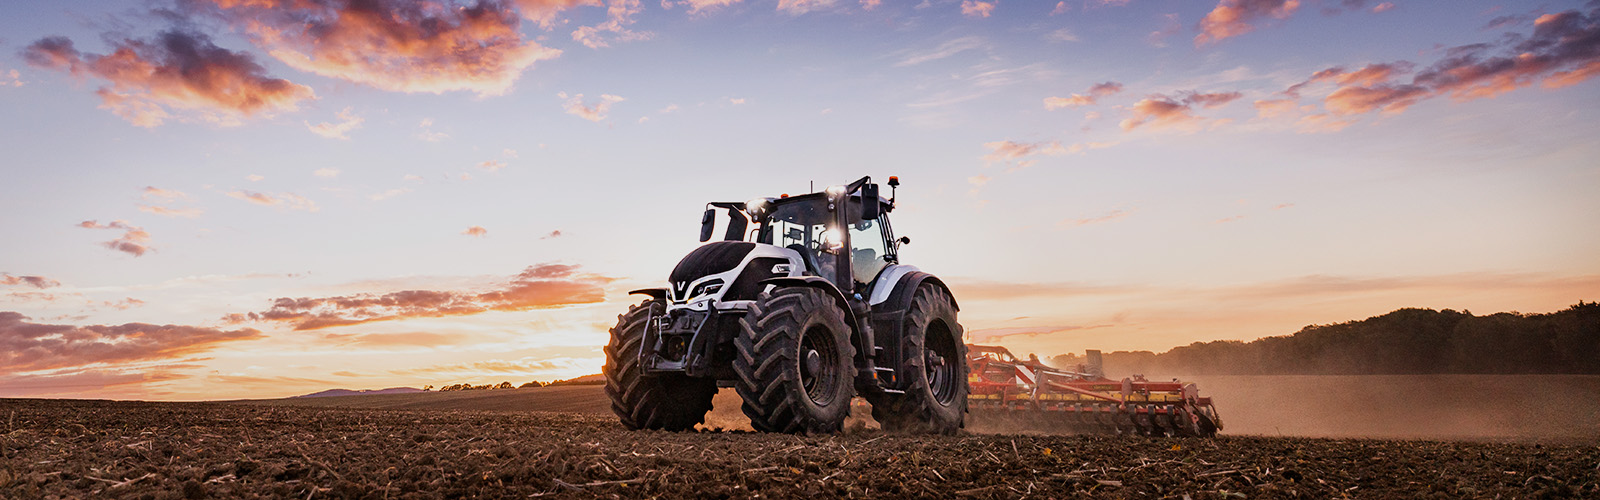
x,y
134,240
537,287
971,8
1161,111
412,339
478,231
1233,17
396,45
1094,93
27,346
179,74
33,281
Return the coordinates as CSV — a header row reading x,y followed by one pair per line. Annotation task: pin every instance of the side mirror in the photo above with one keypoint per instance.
x,y
708,224
869,202
904,240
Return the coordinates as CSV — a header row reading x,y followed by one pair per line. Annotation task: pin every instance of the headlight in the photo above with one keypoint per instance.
x,y
757,208
707,288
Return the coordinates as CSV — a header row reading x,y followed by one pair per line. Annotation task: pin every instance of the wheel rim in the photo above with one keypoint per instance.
x,y
941,362
819,370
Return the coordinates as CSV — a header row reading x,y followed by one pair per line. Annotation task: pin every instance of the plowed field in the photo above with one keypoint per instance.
x,y
62,449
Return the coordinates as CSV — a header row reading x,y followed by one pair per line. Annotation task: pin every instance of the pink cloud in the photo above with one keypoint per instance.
x,y
348,121
544,12
703,6
576,107
27,346
281,200
1560,52
134,240
798,7
972,8
1011,151
396,45
33,281
179,74
619,14
1234,17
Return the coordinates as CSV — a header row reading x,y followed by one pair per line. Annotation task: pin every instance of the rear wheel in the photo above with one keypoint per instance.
x,y
668,401
794,362
933,368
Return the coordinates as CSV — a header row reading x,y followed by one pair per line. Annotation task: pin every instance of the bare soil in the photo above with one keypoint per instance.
x,y
71,449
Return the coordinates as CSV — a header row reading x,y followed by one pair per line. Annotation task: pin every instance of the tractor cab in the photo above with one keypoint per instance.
x,y
842,234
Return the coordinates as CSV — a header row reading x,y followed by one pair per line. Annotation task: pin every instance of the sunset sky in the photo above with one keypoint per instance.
x,y
211,199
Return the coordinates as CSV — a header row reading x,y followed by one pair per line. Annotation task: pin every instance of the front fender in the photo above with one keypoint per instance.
x,y
838,296
655,293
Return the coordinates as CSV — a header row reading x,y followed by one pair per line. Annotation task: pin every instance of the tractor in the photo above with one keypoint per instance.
x,y
800,307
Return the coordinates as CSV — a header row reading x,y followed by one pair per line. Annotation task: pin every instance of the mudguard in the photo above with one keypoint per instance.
x,y
860,333
655,293
889,317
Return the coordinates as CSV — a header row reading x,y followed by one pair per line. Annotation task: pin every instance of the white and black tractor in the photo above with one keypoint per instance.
x,y
802,306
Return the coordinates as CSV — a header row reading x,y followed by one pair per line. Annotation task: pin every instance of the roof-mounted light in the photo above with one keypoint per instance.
x,y
758,208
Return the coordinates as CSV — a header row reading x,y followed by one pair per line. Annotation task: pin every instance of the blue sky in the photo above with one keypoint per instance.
x,y
1089,174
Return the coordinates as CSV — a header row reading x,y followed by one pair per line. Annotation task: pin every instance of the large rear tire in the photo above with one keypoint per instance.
x,y
666,401
933,369
794,362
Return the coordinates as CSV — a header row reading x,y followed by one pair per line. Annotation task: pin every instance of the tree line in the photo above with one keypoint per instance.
x,y
1406,341
585,380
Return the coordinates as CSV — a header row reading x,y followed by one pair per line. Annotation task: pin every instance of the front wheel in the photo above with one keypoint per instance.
x,y
933,369
666,401
795,362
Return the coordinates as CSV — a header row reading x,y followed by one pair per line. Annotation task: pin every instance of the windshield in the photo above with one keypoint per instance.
x,y
803,225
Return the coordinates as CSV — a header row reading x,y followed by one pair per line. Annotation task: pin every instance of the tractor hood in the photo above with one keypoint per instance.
x,y
730,270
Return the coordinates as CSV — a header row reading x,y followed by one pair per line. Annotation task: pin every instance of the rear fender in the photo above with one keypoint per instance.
x,y
888,315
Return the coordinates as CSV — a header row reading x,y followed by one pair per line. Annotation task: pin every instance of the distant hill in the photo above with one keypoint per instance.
x,y
362,392
1403,342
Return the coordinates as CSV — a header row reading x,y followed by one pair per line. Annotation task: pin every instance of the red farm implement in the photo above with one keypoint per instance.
x,y
1008,392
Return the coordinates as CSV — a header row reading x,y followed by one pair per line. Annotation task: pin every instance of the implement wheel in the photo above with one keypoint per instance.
x,y
933,369
667,401
794,362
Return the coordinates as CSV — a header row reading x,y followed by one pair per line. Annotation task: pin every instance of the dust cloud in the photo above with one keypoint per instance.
x,y
1470,407
1443,407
